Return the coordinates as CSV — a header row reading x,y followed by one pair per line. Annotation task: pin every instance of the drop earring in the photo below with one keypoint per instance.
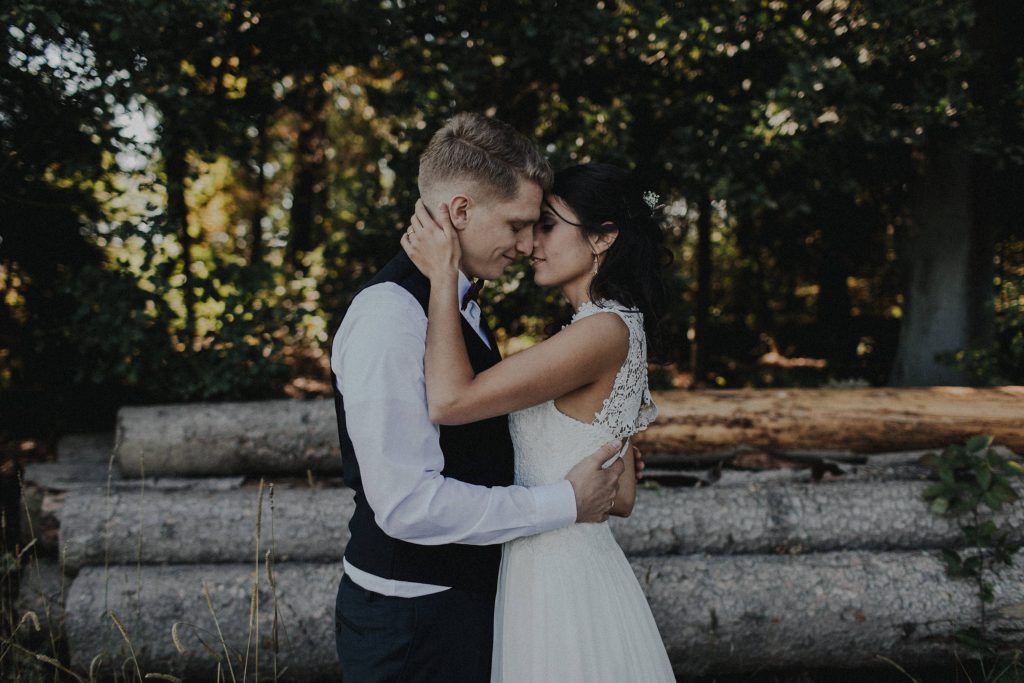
x,y
595,264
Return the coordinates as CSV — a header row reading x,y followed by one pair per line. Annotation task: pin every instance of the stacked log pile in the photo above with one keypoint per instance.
x,y
778,569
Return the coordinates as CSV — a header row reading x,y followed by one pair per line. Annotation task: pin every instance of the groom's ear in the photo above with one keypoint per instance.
x,y
458,211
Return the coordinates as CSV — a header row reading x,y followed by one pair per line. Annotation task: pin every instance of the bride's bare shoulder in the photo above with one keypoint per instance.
x,y
603,329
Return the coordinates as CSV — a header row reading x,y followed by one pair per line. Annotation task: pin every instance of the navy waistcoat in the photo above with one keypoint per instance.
x,y
476,453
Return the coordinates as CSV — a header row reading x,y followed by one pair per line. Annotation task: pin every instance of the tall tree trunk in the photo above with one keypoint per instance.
x,y
940,252
752,278
834,319
176,168
259,205
310,174
956,211
698,344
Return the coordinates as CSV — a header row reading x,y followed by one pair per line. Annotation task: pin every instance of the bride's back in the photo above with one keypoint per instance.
x,y
549,439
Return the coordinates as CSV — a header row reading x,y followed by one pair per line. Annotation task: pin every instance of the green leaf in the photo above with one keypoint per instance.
x,y
978,443
946,475
940,505
954,565
1005,493
972,565
984,475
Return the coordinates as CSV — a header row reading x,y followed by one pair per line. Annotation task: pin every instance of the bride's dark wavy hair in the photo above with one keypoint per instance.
x,y
606,198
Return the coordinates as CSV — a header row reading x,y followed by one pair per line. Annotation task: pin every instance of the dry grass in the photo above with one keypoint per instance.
x,y
22,661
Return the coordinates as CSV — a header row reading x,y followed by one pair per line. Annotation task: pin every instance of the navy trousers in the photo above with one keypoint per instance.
x,y
446,636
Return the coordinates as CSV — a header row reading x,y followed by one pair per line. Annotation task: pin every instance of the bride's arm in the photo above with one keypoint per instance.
x,y
575,357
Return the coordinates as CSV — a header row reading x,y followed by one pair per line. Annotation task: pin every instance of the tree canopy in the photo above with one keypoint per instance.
x,y
193,191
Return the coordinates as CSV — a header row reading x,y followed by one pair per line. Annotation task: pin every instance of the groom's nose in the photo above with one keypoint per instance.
x,y
524,242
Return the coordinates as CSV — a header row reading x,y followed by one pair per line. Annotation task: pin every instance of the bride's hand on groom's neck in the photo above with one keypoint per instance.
x,y
432,242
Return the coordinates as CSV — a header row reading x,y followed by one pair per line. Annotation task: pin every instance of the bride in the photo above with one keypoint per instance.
x,y
569,607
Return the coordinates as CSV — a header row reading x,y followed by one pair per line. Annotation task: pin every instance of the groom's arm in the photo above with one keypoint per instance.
x,y
378,359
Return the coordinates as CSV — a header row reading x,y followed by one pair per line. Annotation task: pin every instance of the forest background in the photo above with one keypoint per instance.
x,y
192,191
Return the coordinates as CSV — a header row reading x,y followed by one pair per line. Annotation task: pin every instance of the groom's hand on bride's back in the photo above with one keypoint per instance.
x,y
595,487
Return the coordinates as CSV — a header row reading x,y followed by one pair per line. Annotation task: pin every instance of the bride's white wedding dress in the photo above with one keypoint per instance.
x,y
569,607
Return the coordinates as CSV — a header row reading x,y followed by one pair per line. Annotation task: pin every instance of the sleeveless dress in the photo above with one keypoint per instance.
x,y
569,607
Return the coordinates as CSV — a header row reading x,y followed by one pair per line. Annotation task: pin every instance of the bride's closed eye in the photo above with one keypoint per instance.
x,y
545,226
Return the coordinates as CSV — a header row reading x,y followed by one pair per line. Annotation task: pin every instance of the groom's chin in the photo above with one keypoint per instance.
x,y
500,269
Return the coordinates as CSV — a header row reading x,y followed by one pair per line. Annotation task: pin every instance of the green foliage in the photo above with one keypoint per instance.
x,y
970,476
804,125
975,481
999,361
129,330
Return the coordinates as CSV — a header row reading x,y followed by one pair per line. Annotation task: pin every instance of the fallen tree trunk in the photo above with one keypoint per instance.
x,y
844,609
150,601
865,420
157,527
205,439
717,614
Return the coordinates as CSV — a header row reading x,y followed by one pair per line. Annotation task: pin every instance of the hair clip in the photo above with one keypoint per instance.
x,y
651,199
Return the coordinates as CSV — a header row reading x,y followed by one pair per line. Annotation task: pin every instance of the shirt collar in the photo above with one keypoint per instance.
x,y
464,285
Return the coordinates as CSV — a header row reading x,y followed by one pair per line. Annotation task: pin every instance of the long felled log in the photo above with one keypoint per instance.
x,y
312,525
715,613
151,601
204,439
843,609
293,436
866,420
181,527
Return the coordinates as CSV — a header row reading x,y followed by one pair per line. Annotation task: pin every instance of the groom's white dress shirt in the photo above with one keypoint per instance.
x,y
377,357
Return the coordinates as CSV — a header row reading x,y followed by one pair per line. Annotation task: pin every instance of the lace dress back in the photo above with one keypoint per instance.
x,y
548,442
569,607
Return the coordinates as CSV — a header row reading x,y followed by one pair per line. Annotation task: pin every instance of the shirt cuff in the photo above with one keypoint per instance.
x,y
556,505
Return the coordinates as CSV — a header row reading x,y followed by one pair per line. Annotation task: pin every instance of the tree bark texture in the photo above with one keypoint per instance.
x,y
176,170
720,614
206,439
939,297
286,436
702,303
308,189
311,525
867,420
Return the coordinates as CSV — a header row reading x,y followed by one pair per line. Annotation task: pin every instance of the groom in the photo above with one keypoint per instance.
x,y
433,504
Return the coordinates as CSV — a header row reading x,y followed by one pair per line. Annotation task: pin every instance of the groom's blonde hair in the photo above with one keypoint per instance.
x,y
486,151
